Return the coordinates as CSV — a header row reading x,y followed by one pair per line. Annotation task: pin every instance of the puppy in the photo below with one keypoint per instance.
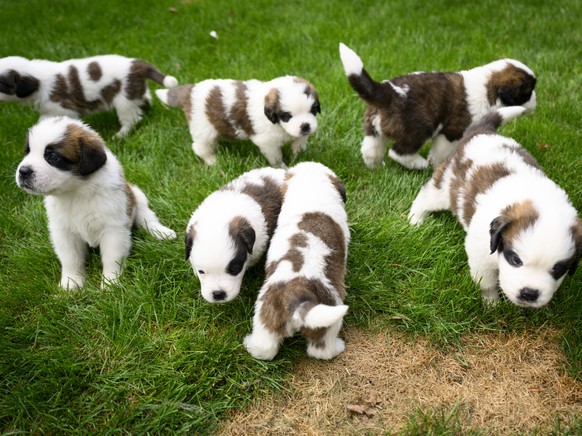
x,y
230,230
304,287
268,113
87,199
414,108
523,234
78,87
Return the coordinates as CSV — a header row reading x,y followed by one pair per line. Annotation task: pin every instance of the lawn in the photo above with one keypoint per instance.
x,y
150,355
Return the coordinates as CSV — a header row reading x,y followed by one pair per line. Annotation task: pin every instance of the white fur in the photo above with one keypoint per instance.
x,y
86,211
267,136
113,67
540,247
350,60
309,189
213,249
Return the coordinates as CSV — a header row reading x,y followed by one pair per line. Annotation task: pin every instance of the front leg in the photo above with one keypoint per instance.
x,y
429,199
299,144
271,150
484,269
72,252
115,246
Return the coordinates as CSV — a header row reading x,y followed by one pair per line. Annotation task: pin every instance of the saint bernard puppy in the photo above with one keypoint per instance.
x,y
306,263
230,230
268,113
412,109
523,234
87,199
79,87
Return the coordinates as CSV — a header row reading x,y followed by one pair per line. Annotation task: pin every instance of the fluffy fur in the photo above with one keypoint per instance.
x,y
523,234
304,287
412,109
268,113
87,200
78,87
230,230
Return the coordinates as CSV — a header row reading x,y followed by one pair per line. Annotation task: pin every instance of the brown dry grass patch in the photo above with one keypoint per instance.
x,y
499,383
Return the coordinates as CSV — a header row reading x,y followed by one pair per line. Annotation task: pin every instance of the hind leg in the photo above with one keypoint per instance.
x,y
433,196
129,113
329,345
373,150
440,150
147,219
262,343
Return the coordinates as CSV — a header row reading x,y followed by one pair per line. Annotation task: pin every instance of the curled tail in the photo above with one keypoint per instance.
x,y
315,316
360,80
160,78
176,97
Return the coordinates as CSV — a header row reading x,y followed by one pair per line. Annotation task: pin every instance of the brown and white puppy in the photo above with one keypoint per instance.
x,y
523,234
87,200
304,286
79,87
268,113
230,230
412,109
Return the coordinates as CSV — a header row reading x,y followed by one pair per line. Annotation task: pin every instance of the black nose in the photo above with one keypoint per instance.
x,y
25,172
218,295
305,128
528,294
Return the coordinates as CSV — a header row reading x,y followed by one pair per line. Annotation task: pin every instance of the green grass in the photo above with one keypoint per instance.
x,y
151,355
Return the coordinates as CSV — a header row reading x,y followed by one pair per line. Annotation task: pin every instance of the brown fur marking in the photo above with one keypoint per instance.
x,y
510,78
131,200
110,91
239,112
68,91
94,71
136,80
519,217
182,97
216,113
269,197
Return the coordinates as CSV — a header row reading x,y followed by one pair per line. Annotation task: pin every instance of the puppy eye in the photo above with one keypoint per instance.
x,y
52,157
512,258
200,272
285,116
559,269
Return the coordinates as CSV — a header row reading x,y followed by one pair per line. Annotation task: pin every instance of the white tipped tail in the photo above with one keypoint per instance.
x,y
170,82
353,65
510,112
322,315
162,94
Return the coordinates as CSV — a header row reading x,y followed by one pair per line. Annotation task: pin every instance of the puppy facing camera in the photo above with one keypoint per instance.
x,y
87,200
270,114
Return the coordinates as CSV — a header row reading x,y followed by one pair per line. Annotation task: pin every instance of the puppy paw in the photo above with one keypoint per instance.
x,y
162,233
490,298
70,284
415,218
258,350
327,352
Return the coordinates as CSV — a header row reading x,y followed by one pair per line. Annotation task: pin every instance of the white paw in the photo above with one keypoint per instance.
x,y
162,233
259,351
410,161
70,284
329,351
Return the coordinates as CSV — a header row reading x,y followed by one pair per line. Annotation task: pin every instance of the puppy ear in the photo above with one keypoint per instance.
x,y
247,238
92,154
577,235
25,85
189,240
272,105
317,106
498,225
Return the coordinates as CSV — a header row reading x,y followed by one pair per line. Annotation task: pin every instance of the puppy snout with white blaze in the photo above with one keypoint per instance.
x,y
219,295
305,129
24,172
528,295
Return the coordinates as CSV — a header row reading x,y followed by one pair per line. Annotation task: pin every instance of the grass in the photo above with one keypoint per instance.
x,y
150,355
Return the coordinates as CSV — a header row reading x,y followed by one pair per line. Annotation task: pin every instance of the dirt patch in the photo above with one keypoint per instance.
x,y
499,383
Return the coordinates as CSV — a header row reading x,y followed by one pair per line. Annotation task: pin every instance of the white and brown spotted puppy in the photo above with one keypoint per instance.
x,y
304,287
87,199
79,87
230,230
412,109
523,234
268,113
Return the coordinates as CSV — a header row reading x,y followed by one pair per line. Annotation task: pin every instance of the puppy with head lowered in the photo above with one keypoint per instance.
x,y
304,286
79,87
87,200
412,109
230,230
268,113
523,234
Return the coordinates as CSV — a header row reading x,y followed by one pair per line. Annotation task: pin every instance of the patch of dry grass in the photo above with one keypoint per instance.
x,y
498,383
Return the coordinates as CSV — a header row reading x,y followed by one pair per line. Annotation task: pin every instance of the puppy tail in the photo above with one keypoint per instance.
x,y
146,218
175,97
493,120
319,315
160,78
360,80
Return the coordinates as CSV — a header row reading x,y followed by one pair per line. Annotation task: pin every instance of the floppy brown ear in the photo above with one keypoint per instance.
x,y
577,234
189,240
272,105
92,154
26,85
498,225
247,237
317,106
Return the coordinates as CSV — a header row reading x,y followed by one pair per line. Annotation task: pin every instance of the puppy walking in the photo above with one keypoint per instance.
x,y
304,287
79,87
417,107
268,113
230,230
523,234
87,199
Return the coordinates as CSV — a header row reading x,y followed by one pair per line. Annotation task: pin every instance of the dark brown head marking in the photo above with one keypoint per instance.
x,y
269,198
243,235
272,105
512,221
512,85
189,239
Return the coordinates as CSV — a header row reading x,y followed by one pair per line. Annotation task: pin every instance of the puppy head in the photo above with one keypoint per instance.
x,y
61,153
15,83
511,83
292,103
219,254
535,251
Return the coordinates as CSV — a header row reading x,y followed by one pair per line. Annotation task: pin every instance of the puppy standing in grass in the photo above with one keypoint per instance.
x,y
523,234
230,230
414,108
268,113
304,287
79,87
87,199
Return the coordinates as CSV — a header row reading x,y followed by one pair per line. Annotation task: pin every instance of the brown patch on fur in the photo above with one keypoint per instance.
x,y
182,97
131,201
294,255
94,71
512,85
283,298
189,239
68,92
269,197
329,231
460,167
439,174
482,179
272,104
339,186
243,234
517,218
110,91
239,112
135,87
216,113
